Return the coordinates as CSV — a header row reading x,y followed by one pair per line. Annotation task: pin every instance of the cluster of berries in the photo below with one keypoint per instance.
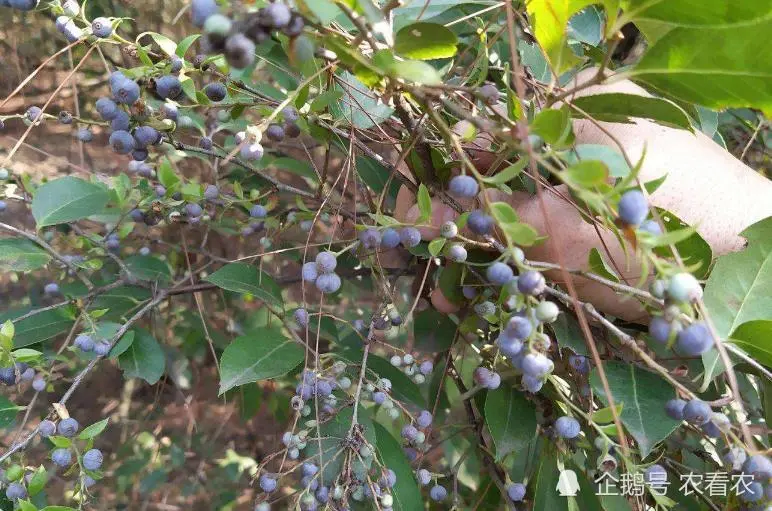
x,y
417,371
321,272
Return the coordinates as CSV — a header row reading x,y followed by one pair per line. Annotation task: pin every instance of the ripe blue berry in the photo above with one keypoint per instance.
x,y
145,136
52,288
267,483
120,122
215,91
28,374
499,273
479,223
759,467
61,457
659,329
39,384
211,192
379,397
309,272
200,10
487,378
370,238
519,327
426,367
239,51
193,210
85,135
328,283
390,238
84,343
65,117
102,348
159,190
275,132
753,492
124,90
438,493
46,428
410,237
567,427
516,492
531,283
697,412
409,432
34,113
656,476
251,151
464,187
424,419
101,27
3,206
683,287
581,364
633,208
290,114
15,491
326,262
93,459
68,427
275,15
170,111
537,365
423,476
650,226
532,384
168,87
694,340
176,64
457,253
121,142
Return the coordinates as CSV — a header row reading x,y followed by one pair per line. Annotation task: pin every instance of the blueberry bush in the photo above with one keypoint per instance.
x,y
308,205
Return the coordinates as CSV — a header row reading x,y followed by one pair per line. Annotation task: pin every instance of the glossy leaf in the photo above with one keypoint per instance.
x,y
8,412
619,107
261,355
144,358
67,199
39,327
244,278
425,41
358,106
755,338
599,266
407,496
694,250
511,420
642,396
21,254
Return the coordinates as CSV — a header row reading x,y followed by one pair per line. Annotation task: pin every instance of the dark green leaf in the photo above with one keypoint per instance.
x,y
261,355
144,359
243,278
328,451
642,396
67,199
359,106
433,331
599,266
148,268
755,338
511,420
694,250
407,496
21,254
619,107
425,41
37,328
8,412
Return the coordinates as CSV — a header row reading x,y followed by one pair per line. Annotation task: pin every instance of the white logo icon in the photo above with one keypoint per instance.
x,y
568,484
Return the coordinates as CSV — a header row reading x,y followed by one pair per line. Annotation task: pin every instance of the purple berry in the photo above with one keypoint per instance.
x,y
326,262
46,428
258,211
275,132
145,136
424,476
567,427
659,329
457,253
633,208
694,340
124,90
68,427
211,192
61,457
328,283
438,493
516,492
93,459
102,348
424,419
389,238
168,87
464,187
537,365
531,283
85,135
650,226
479,223
581,364
697,412
52,288
101,27
370,238
239,51
759,467
121,142
84,343
426,367
410,237
15,491
267,483
39,384
309,272
409,432
499,273
193,210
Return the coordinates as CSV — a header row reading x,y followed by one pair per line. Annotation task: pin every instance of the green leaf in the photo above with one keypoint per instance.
x,y
358,105
425,41
301,168
694,250
403,387
550,19
407,496
755,338
415,71
504,213
166,174
26,355
21,254
599,266
697,12
738,288
554,126
25,505
148,268
328,451
620,107
93,430
436,246
38,481
67,199
604,415
37,328
8,412
685,64
168,46
324,10
186,43
261,355
611,157
643,395
424,203
507,174
585,174
144,358
325,99
569,335
511,420
243,278
433,331
60,441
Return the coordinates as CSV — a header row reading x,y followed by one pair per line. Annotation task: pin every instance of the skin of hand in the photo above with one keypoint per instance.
x,y
706,187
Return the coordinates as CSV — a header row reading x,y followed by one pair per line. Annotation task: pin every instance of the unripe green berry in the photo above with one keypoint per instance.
x,y
449,230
